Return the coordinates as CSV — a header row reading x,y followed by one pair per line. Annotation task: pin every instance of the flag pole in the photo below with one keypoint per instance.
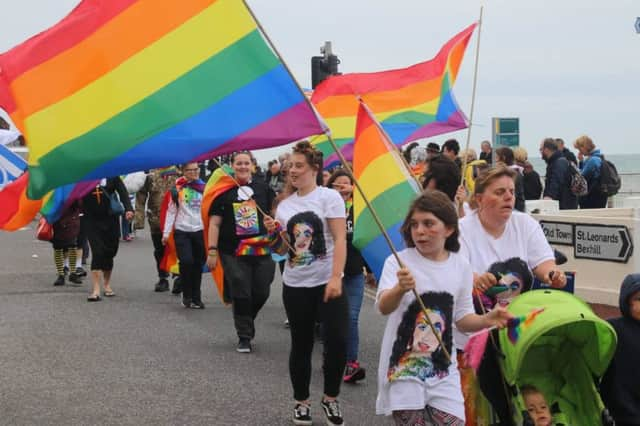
x,y
473,98
374,214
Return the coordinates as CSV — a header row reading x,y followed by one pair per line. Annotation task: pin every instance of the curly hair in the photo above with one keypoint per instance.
x,y
318,246
438,204
441,302
311,154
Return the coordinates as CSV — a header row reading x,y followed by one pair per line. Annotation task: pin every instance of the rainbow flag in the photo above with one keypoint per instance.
x,y
125,85
388,186
517,325
18,210
410,103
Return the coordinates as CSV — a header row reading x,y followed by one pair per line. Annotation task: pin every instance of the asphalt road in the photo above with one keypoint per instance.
x,y
140,358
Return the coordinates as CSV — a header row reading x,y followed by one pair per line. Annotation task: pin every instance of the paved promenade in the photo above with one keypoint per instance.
x,y
140,358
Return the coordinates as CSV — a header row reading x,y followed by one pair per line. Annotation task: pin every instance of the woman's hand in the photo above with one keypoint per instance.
x,y
484,282
333,290
269,223
498,317
212,261
461,195
406,282
556,278
164,240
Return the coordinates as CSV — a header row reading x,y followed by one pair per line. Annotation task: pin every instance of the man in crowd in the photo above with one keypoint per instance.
x,y
566,152
558,177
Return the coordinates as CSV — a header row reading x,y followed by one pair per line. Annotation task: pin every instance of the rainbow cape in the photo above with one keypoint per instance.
x,y
18,210
411,103
219,182
125,85
517,325
387,184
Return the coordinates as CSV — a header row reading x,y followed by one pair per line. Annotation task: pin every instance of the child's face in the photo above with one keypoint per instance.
x,y
538,409
428,233
634,305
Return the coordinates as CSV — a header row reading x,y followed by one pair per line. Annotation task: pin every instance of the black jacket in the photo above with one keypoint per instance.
x,y
570,156
620,387
557,182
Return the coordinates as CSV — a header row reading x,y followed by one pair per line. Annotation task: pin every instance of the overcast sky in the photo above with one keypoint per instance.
x,y
565,68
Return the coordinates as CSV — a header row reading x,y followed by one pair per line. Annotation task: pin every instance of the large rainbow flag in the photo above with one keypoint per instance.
x,y
17,210
410,103
388,186
125,85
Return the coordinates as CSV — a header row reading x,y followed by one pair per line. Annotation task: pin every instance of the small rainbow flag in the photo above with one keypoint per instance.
x,y
18,210
411,103
516,325
125,85
387,184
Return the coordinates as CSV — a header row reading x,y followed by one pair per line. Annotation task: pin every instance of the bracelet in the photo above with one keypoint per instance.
x,y
213,254
213,247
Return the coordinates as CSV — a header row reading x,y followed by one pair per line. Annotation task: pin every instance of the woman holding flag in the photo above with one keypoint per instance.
x,y
238,237
314,220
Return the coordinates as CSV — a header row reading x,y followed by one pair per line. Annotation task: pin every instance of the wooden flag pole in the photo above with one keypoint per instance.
x,y
374,214
473,99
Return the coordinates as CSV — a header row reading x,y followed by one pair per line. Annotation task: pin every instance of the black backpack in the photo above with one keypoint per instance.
x,y
610,181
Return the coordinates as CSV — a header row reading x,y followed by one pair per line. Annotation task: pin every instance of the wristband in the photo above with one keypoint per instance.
x,y
213,247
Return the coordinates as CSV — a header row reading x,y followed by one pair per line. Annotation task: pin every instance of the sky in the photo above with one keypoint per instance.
x,y
565,68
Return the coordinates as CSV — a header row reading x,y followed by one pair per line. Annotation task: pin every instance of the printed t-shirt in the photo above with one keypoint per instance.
x,y
241,218
411,373
305,220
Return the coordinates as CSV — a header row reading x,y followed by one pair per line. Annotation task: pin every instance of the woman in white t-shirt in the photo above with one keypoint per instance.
x,y
314,220
418,381
494,233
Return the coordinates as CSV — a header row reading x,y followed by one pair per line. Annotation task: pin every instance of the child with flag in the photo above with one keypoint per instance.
x,y
418,381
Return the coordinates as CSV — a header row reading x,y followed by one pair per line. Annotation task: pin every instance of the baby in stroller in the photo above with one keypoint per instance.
x,y
536,405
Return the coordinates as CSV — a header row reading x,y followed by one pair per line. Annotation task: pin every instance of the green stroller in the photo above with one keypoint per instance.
x,y
563,351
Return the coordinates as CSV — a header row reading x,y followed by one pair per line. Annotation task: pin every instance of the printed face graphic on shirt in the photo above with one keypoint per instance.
x,y
424,341
191,198
246,218
514,278
416,352
307,237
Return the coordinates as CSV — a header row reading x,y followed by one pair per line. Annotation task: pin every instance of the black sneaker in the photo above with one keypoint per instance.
x,y
302,415
353,372
74,279
332,412
186,303
177,286
81,272
244,345
162,285
197,304
59,280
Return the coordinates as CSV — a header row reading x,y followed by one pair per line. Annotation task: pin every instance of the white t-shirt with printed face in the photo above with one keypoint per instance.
x,y
413,371
305,219
522,237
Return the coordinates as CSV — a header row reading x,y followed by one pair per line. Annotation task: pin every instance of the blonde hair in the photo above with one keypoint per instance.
x,y
469,153
584,141
520,154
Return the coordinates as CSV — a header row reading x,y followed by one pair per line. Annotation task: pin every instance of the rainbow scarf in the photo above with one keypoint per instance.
x,y
259,245
411,103
517,325
83,89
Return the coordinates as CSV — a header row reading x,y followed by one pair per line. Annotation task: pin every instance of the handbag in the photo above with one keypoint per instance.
x,y
44,232
116,208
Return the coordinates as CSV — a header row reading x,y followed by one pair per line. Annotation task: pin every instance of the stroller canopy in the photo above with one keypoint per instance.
x,y
567,323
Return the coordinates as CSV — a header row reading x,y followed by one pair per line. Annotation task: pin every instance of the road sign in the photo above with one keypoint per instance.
x,y
505,131
638,25
558,232
602,242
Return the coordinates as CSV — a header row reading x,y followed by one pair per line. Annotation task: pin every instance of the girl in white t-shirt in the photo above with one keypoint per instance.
x,y
314,220
418,381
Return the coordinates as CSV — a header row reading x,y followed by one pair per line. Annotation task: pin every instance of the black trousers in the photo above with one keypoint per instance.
x,y
191,257
158,253
304,308
249,279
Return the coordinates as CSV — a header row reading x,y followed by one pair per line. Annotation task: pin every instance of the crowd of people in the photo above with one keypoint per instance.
x,y
470,250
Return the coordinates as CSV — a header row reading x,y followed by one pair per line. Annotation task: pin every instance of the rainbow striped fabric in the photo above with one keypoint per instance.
x,y
388,186
410,103
126,85
517,325
18,210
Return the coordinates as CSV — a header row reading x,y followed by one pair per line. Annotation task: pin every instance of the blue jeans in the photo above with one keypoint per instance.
x,y
353,286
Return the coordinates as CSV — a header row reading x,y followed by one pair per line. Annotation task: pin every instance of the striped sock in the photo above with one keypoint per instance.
x,y
72,259
58,258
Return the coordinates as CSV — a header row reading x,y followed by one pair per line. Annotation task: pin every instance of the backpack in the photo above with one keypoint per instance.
x,y
609,179
578,184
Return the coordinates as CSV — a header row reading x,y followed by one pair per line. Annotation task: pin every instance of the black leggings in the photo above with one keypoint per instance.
x,y
304,306
191,257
